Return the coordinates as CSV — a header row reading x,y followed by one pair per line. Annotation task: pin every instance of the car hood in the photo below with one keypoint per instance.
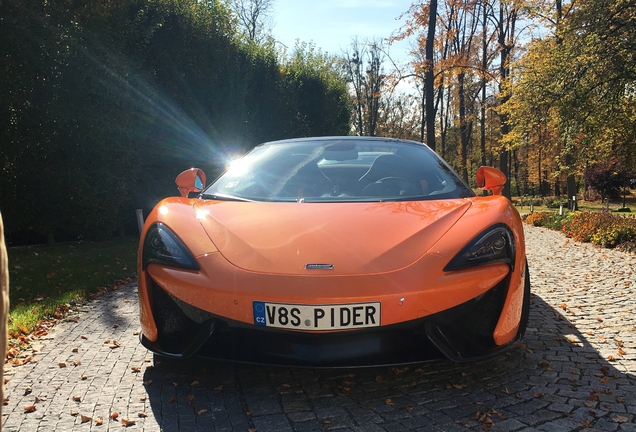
x,y
356,238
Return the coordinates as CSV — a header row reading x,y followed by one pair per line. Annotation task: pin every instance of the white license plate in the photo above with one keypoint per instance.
x,y
317,317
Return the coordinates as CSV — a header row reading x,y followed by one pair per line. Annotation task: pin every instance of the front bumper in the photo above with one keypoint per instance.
x,y
462,333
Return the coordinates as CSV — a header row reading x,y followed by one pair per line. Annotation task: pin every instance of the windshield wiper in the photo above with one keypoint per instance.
x,y
224,197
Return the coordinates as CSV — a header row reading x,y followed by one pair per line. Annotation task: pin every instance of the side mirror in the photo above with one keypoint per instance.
x,y
192,180
491,178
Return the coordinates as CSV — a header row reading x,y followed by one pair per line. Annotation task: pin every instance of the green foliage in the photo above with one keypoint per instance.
x,y
528,201
555,202
103,103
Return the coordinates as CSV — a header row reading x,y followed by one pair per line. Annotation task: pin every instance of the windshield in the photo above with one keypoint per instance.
x,y
336,170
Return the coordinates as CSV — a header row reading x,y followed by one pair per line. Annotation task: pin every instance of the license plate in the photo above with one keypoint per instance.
x,y
317,317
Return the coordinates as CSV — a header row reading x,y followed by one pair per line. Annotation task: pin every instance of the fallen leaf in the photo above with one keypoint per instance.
x,y
586,424
249,412
40,399
136,369
83,377
76,399
74,413
62,365
202,411
99,421
27,390
190,397
75,350
114,415
85,419
127,422
84,337
389,402
147,383
29,408
193,383
142,415
620,419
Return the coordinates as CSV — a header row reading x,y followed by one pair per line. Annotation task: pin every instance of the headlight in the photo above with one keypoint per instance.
x,y
496,244
162,246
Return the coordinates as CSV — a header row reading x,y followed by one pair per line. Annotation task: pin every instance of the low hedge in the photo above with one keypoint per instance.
x,y
599,228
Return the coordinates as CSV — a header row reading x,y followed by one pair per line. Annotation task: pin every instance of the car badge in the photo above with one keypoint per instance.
x,y
318,266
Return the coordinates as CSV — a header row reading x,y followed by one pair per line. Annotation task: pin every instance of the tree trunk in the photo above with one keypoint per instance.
x,y
429,76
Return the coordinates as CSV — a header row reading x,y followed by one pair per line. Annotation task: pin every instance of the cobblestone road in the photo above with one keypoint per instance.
x,y
575,370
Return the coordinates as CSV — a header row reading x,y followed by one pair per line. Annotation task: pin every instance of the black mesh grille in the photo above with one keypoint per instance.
x,y
173,325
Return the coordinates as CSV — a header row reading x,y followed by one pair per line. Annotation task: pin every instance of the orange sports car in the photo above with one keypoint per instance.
x,y
334,252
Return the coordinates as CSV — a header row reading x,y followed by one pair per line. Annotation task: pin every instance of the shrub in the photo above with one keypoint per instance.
x,y
545,219
555,202
528,201
603,229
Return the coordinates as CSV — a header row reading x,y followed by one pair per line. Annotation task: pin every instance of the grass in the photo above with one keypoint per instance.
x,y
43,277
583,205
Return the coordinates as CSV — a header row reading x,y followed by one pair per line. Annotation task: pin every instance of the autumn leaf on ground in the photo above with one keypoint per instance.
x,y
249,412
127,422
397,370
27,390
85,419
83,377
218,388
114,415
29,408
76,362
76,399
389,402
84,337
193,383
620,419
40,399
147,383
75,350
62,365
99,421
190,397
586,424
142,415
74,413
202,411
378,379
136,369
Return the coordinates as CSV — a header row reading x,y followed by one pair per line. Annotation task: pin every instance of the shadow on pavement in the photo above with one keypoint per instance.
x,y
555,380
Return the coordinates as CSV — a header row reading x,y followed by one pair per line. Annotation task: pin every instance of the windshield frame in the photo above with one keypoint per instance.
x,y
338,169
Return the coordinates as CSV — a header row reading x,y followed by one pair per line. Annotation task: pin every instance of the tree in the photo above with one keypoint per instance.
x,y
605,178
363,66
254,18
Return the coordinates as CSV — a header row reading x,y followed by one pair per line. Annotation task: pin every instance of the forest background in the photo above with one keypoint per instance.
x,y
102,103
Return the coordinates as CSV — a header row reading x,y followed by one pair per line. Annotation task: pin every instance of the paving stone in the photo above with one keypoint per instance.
x,y
583,307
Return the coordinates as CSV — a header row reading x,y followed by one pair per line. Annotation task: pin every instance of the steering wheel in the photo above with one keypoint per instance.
x,y
396,179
